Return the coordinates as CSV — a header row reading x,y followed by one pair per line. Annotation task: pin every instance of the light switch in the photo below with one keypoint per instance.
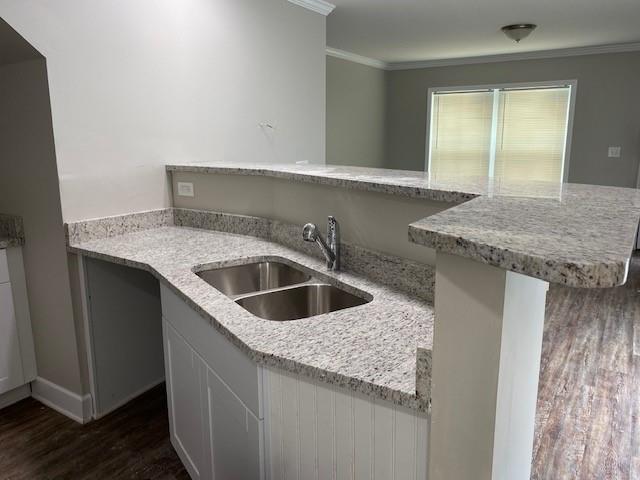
x,y
185,189
614,152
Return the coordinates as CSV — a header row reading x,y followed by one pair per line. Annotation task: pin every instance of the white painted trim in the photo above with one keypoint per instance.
x,y
352,57
318,6
566,161
494,134
72,405
15,395
429,132
126,400
509,57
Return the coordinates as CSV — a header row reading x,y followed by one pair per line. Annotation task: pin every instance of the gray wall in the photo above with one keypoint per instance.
x,y
356,114
29,188
607,111
373,220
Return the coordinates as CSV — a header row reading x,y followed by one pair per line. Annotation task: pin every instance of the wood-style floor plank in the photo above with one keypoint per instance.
x,y
131,443
588,417
587,422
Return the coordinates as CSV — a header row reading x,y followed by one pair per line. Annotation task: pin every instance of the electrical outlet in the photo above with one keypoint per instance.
x,y
185,189
614,152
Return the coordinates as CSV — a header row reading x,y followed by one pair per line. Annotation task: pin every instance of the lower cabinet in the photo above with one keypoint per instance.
x,y
10,359
214,433
185,375
230,420
235,434
17,357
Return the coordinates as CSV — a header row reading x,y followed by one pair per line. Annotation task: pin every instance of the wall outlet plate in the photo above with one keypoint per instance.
x,y
614,152
185,189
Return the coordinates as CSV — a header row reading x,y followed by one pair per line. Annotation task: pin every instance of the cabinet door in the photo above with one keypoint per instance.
x,y
185,374
10,360
235,434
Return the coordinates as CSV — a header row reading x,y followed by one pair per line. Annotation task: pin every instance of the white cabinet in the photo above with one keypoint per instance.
x,y
17,358
230,420
10,358
213,397
184,372
235,433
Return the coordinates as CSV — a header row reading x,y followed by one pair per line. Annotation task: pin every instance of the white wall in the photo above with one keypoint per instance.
x,y
138,84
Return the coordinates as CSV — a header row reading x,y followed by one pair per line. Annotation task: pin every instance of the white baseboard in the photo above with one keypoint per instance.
x,y
15,395
126,400
60,399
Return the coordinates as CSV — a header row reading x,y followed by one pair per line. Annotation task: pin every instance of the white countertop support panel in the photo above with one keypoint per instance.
x,y
486,361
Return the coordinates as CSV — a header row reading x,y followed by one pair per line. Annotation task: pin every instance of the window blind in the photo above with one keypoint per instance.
x,y
461,133
531,134
512,134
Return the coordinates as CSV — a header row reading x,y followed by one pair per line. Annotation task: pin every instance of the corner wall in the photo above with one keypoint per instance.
x,y
29,188
137,85
134,86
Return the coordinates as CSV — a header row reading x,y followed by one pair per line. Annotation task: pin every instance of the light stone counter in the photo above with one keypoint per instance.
x,y
11,231
370,349
575,235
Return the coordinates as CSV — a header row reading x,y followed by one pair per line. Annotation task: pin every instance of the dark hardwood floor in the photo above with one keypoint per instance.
x,y
132,443
587,423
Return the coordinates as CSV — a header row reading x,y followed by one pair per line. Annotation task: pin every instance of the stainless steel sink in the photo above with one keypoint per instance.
x,y
299,302
253,277
278,291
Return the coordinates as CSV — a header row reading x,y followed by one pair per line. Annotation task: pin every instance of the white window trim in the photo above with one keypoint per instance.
x,y
550,83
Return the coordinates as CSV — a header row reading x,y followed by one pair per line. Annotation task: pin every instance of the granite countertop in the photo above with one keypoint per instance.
x,y
11,231
370,349
395,182
575,235
583,238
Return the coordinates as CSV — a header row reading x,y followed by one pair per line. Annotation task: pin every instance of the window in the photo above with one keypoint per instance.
x,y
511,132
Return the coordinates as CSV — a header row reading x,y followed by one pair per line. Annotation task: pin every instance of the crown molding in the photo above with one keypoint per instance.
x,y
318,6
352,57
508,57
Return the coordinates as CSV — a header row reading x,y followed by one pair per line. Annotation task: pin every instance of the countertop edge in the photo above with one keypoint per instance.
x,y
570,274
390,188
11,243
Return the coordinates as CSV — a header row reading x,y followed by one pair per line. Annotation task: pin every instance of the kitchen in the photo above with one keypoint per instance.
x,y
307,315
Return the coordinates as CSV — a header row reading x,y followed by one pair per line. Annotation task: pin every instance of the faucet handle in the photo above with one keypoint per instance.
x,y
333,239
309,232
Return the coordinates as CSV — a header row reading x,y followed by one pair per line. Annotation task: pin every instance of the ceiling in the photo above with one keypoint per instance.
x,y
14,48
414,30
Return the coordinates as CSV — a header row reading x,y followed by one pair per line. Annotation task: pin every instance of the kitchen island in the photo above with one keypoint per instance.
x,y
476,361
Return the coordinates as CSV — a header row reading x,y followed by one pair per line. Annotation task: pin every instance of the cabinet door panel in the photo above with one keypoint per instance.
x,y
235,434
232,365
10,359
184,373
4,266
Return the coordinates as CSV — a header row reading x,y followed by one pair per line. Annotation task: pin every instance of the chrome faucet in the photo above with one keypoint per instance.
x,y
330,248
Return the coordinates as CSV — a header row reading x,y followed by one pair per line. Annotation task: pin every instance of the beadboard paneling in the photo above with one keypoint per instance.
x,y
316,431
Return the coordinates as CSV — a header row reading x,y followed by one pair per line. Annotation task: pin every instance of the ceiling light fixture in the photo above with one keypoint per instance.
x,y
518,31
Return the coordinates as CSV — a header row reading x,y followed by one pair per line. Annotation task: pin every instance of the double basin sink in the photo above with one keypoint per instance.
x,y
274,290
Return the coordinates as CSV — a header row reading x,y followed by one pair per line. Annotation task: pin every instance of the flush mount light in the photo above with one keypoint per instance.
x,y
518,31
